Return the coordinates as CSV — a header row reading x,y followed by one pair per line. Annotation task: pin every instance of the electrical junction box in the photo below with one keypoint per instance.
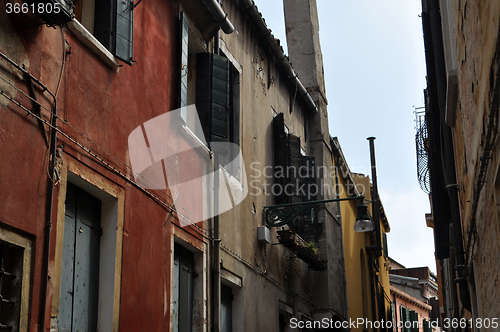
x,y
263,234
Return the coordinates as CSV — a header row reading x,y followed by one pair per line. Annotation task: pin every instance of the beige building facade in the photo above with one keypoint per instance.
x,y
463,154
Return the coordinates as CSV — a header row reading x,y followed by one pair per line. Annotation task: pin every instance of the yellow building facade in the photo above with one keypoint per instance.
x,y
367,275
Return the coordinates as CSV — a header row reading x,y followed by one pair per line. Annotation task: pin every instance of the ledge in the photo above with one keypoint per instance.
x,y
87,39
298,246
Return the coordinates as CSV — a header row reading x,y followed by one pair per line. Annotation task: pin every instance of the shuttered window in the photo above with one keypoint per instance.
x,y
78,306
295,178
426,325
404,315
111,22
414,321
124,30
213,96
183,289
386,248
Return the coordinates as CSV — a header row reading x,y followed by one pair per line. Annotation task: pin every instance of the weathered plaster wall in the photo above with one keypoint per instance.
x,y
106,105
476,25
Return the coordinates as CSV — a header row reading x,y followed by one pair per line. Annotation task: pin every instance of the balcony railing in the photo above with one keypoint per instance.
x,y
422,146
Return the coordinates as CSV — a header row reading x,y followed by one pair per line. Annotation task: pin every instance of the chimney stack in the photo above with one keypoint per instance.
x,y
304,50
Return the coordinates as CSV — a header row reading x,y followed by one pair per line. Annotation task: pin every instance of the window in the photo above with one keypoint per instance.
x,y
386,248
426,325
111,22
15,269
78,306
409,319
405,319
226,312
295,177
183,289
210,81
414,321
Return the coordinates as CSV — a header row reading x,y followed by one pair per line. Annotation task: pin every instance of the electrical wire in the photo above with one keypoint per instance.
x,y
92,141
168,207
107,165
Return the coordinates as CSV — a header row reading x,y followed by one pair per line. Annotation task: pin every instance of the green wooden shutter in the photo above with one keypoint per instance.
x,y
281,156
307,176
414,321
407,320
295,164
405,317
213,96
426,324
185,260
184,49
124,30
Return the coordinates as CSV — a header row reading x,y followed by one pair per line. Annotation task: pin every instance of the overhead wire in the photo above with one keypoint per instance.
x,y
107,165
92,141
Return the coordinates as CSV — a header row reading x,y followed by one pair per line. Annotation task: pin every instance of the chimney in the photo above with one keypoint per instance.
x,y
304,50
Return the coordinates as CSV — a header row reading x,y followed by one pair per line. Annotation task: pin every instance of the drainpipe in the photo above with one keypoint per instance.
x,y
346,307
219,15
452,188
372,288
216,240
376,219
375,200
216,248
48,225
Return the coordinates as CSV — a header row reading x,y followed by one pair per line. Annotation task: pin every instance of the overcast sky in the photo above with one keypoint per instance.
x,y
374,66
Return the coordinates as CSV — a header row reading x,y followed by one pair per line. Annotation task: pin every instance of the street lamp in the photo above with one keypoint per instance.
x,y
283,214
363,221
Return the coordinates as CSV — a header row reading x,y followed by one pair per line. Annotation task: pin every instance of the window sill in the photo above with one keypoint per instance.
x,y
195,140
87,39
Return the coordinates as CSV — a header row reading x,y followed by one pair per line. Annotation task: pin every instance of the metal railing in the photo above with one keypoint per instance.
x,y
422,146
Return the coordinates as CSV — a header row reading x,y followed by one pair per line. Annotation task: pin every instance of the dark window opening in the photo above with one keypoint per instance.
x,y
111,22
11,270
226,298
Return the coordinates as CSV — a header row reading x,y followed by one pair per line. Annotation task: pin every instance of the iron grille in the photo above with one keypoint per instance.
x,y
422,146
6,304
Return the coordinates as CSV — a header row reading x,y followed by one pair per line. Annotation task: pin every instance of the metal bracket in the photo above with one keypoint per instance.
x,y
283,214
